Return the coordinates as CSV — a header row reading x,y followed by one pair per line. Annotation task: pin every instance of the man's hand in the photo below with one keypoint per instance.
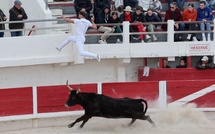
x,y
5,18
176,25
19,16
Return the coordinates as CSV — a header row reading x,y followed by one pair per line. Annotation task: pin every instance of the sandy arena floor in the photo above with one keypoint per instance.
x,y
172,121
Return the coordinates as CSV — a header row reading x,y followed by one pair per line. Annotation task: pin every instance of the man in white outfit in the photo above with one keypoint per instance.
x,y
82,26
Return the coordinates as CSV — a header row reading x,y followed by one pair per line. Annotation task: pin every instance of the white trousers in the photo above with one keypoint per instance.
x,y
79,40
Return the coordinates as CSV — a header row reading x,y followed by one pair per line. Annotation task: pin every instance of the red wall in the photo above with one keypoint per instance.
x,y
16,101
53,98
176,74
179,89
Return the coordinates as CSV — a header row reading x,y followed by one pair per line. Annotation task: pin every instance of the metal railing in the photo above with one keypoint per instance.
x,y
125,25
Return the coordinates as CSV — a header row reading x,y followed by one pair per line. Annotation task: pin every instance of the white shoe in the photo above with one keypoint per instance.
x,y
154,38
203,39
102,42
189,36
194,38
98,58
58,49
118,41
147,37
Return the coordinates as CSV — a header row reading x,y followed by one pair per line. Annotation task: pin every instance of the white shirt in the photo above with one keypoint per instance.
x,y
144,3
118,3
82,26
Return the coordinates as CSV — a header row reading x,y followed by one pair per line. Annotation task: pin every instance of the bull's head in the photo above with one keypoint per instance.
x,y
73,96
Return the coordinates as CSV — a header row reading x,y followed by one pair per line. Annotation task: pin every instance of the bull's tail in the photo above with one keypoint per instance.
x,y
145,105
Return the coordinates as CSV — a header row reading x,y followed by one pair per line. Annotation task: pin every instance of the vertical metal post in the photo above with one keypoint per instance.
x,y
170,31
162,95
126,33
99,88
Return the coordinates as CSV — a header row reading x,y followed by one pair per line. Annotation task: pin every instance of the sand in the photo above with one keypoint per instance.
x,y
175,120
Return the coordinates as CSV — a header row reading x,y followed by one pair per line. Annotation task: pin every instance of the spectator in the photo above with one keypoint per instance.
x,y
165,63
2,26
180,4
173,13
132,3
17,13
127,16
207,4
138,18
115,19
99,6
152,17
190,14
212,4
204,63
119,10
156,6
205,15
144,4
84,6
118,3
182,63
103,17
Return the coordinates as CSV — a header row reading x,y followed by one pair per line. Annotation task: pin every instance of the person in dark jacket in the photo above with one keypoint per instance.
x,y
99,6
182,63
115,19
165,63
84,6
139,18
17,13
173,13
2,26
205,63
152,17
102,18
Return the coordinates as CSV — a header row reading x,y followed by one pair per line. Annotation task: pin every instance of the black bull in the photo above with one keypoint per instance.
x,y
104,106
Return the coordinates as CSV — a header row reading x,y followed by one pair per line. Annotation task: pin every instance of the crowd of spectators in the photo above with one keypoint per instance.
x,y
142,11
138,12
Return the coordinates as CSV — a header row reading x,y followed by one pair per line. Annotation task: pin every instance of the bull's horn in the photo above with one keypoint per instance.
x,y
68,85
79,89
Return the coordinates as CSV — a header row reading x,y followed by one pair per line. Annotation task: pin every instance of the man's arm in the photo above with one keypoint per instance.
x,y
67,19
93,24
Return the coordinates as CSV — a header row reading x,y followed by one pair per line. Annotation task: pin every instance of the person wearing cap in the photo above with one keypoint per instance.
x,y
2,26
17,13
82,26
204,63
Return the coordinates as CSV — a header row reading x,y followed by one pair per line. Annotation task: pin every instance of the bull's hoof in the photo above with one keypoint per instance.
x,y
70,125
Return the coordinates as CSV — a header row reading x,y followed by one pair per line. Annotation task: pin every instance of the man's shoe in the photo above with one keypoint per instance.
x,y
58,49
102,42
98,58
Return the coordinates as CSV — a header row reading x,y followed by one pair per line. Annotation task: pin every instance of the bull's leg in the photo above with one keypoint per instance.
x,y
132,121
82,118
147,117
84,121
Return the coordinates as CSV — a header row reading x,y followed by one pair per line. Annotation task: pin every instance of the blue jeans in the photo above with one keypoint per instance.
x,y
1,34
181,28
179,2
16,33
202,26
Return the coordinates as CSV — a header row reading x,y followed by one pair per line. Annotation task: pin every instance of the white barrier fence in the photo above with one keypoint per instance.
x,y
162,103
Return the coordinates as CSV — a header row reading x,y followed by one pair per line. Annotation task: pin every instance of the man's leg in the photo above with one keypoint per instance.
x,y
208,27
106,30
13,34
1,34
151,28
202,28
80,46
181,28
62,45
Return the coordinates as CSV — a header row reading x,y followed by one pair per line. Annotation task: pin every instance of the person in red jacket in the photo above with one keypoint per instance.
x,y
173,13
190,14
